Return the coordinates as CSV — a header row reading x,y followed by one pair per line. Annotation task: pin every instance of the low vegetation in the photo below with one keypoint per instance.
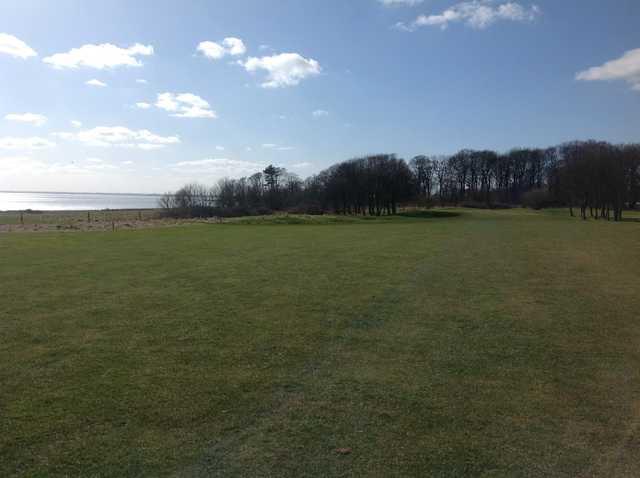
x,y
483,343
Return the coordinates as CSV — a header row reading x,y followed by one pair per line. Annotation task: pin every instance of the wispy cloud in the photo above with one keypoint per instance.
x,y
219,167
400,3
15,47
25,166
625,68
25,144
97,83
277,147
320,113
478,14
120,136
185,105
31,118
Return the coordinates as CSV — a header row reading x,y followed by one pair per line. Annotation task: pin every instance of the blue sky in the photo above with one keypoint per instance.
x,y
302,84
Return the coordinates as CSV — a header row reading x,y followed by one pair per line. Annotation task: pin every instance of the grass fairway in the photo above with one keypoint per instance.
x,y
501,343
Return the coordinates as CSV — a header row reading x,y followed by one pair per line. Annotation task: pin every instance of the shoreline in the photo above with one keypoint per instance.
x,y
75,211
82,220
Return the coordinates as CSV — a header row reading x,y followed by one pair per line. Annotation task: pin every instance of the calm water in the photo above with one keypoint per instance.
x,y
12,201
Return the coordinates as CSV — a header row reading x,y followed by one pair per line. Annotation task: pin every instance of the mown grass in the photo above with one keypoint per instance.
x,y
495,343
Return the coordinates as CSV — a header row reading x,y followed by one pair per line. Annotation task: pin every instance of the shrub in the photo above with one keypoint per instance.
x,y
537,199
484,205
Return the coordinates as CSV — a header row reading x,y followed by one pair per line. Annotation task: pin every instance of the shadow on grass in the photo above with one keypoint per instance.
x,y
429,214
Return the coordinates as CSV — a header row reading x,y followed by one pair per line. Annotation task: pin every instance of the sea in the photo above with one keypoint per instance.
x,y
50,201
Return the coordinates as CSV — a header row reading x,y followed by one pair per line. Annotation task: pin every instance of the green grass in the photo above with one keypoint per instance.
x,y
494,343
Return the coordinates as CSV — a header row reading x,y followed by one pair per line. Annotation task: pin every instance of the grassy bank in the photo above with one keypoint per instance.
x,y
493,343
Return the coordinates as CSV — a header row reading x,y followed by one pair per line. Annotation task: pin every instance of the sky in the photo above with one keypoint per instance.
x,y
145,96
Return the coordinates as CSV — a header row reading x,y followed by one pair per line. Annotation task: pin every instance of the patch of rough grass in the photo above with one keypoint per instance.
x,y
333,219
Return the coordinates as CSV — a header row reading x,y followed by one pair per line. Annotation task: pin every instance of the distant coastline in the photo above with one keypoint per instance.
x,y
86,192
74,201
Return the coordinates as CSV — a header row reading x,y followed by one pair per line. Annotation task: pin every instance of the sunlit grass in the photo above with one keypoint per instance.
x,y
494,343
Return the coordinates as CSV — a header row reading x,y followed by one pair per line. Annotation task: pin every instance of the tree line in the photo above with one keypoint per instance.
x,y
599,178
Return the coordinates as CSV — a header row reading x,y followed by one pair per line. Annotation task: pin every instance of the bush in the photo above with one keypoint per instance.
x,y
484,205
213,211
538,199
309,209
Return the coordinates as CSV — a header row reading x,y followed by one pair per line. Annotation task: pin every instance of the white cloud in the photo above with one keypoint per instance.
x,y
26,168
211,50
150,146
234,46
320,113
32,118
302,165
95,82
143,106
220,148
101,56
285,69
229,46
220,167
185,105
76,123
142,81
94,160
400,3
15,47
477,14
276,147
126,163
626,68
101,167
120,136
25,144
